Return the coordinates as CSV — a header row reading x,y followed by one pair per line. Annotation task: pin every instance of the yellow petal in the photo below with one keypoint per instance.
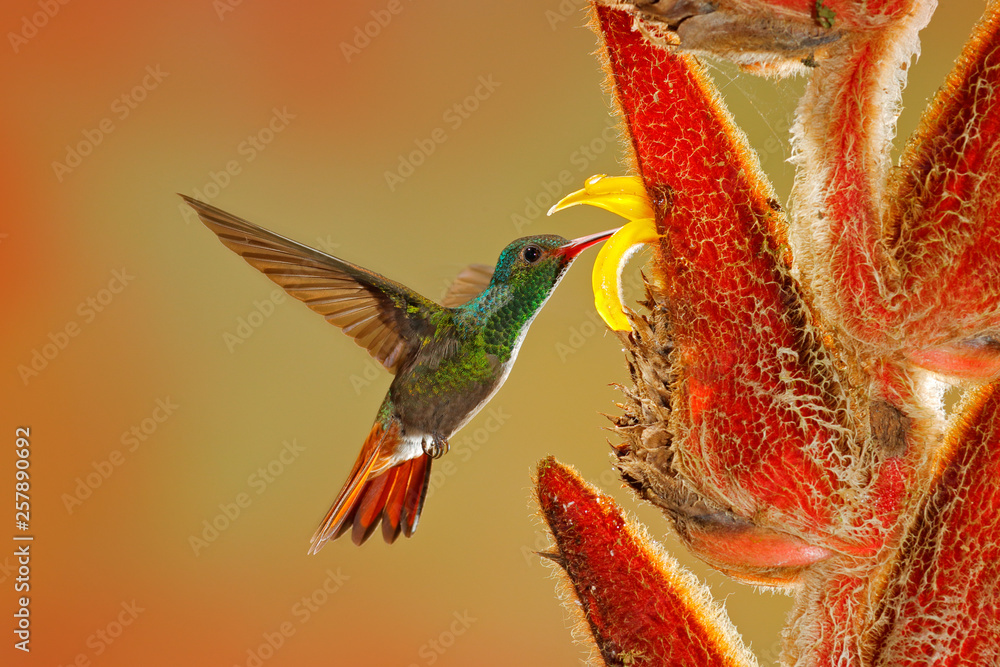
x,y
624,195
611,260
602,184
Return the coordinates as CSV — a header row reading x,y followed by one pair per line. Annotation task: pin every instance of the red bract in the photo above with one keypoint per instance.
x,y
639,603
787,409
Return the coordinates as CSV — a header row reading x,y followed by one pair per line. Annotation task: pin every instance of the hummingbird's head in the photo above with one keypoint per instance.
x,y
537,263
525,275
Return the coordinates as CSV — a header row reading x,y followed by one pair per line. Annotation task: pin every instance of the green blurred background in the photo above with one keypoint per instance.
x,y
116,578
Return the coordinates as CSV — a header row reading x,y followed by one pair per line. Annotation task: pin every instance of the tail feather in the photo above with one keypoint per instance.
x,y
416,492
394,503
376,492
370,506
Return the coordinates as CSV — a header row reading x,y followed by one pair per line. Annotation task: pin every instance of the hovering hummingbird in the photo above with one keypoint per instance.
x,y
448,359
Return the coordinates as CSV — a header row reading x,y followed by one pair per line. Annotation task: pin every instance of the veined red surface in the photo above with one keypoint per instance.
x,y
787,412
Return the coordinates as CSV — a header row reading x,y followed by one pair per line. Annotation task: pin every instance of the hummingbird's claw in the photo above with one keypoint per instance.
x,y
626,196
435,447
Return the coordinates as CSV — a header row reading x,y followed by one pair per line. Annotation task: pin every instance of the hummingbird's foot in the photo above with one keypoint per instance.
x,y
626,196
435,446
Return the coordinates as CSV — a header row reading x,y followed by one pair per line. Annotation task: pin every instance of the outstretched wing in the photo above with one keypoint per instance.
x,y
381,315
469,284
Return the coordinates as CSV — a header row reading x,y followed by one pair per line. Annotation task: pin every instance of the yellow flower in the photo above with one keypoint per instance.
x,y
626,196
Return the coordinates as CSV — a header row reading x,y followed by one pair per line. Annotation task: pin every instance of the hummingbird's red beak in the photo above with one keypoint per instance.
x,y
576,246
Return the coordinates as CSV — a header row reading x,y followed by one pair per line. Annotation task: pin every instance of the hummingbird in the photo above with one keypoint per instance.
x,y
449,359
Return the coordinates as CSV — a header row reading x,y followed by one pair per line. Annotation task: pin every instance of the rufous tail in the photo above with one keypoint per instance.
x,y
376,492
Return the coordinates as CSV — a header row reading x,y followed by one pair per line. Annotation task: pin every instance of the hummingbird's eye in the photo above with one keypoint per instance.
x,y
531,254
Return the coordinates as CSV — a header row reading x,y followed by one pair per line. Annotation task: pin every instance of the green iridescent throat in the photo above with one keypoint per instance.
x,y
518,290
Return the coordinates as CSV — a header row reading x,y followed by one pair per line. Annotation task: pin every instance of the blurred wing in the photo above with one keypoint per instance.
x,y
469,284
366,306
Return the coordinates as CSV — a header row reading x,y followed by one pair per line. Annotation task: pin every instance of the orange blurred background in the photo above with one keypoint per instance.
x,y
165,383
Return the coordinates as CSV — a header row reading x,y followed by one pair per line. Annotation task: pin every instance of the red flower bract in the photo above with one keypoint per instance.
x,y
787,410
